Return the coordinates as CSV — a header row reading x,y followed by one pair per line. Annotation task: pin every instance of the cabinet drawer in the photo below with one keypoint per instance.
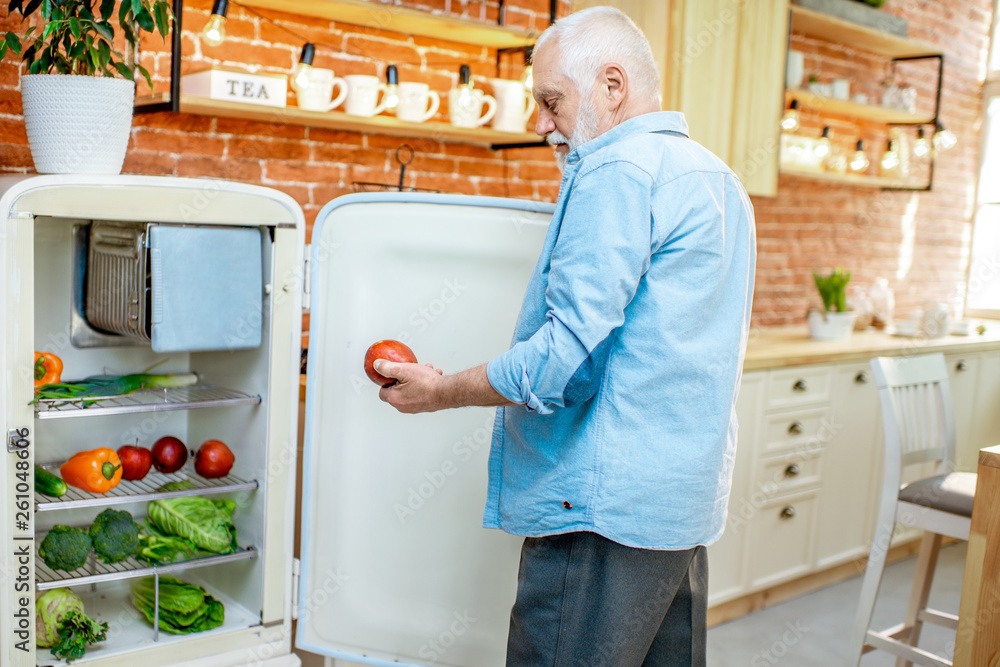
x,y
796,430
791,387
780,545
788,473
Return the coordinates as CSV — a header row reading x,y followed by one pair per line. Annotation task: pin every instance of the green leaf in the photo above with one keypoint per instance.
x,y
123,11
12,42
15,5
145,73
30,9
136,7
107,9
162,15
74,26
144,20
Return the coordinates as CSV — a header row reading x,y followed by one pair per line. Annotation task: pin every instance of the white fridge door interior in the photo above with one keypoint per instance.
x,y
396,566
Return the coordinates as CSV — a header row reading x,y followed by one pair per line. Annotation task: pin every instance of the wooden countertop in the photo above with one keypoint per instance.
x,y
779,347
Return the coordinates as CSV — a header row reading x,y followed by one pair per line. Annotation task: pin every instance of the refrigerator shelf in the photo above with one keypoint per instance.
x,y
94,571
160,399
142,490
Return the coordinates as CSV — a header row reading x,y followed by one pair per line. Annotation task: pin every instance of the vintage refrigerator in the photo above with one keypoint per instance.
x,y
116,274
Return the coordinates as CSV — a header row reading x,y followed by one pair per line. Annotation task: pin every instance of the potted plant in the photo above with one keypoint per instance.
x,y
834,322
78,90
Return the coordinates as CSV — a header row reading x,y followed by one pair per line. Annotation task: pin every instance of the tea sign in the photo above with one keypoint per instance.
x,y
235,86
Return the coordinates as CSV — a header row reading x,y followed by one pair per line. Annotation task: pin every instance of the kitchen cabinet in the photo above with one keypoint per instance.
x,y
844,33
722,64
963,373
987,414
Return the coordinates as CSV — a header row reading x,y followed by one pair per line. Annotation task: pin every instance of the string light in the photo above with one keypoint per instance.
x,y
301,76
859,163
890,159
527,78
391,89
790,122
214,32
922,146
944,138
822,148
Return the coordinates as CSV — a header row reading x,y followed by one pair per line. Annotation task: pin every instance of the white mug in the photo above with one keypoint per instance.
x,y
465,107
317,93
413,102
514,105
362,95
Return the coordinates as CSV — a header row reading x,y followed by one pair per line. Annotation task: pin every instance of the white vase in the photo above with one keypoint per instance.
x,y
830,326
77,124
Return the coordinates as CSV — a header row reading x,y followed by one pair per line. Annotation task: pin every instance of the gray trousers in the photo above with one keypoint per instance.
x,y
586,601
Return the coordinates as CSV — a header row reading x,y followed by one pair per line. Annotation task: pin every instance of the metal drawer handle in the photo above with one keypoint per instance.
x,y
795,428
861,378
800,385
962,366
792,471
787,513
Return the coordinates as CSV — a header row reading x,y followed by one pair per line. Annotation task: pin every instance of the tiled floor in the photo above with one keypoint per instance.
x,y
811,630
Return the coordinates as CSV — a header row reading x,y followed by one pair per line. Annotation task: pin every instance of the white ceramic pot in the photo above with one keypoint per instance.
x,y
77,124
830,326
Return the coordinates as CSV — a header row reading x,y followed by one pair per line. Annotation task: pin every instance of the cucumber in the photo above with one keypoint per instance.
x,y
48,484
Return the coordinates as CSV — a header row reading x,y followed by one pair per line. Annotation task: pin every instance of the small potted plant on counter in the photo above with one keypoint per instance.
x,y
78,90
834,322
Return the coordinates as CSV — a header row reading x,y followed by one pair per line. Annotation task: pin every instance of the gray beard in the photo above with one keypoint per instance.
x,y
584,131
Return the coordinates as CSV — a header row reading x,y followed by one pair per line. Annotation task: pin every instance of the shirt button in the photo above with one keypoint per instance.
x,y
567,504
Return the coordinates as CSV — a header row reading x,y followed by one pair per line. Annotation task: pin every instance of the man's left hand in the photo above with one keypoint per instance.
x,y
417,387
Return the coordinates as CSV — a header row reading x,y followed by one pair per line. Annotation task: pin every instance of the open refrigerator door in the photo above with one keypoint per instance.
x,y
396,567
122,274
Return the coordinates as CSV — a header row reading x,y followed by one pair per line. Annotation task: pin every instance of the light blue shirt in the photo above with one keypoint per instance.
x,y
628,351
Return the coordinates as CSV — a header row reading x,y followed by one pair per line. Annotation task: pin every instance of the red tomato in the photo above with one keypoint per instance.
x,y
213,459
392,350
136,461
169,454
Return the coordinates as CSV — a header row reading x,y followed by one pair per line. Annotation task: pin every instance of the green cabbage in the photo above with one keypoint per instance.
x,y
207,523
184,607
62,625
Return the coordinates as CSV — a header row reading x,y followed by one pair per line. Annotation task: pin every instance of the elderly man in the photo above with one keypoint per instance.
x,y
614,441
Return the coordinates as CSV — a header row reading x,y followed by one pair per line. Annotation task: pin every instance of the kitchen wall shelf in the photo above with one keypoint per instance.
x,y
378,16
141,490
853,179
830,105
832,29
94,571
338,120
145,400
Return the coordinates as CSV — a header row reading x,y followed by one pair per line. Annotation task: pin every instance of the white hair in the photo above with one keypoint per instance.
x,y
592,38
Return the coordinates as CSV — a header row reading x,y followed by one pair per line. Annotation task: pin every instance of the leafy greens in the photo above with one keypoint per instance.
x,y
207,523
184,607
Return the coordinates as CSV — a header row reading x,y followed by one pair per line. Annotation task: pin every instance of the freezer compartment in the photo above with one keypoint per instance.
x,y
173,287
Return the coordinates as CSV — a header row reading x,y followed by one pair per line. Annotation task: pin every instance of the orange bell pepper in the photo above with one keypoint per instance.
x,y
95,471
48,368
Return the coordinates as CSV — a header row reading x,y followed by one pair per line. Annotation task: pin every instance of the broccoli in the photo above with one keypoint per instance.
x,y
115,535
65,548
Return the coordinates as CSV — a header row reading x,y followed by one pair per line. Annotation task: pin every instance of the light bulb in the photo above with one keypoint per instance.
x,y
527,78
944,139
214,32
301,77
890,159
790,121
922,146
859,163
391,89
822,148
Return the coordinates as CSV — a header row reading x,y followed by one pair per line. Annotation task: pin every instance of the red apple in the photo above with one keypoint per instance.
x,y
213,459
136,461
169,454
391,350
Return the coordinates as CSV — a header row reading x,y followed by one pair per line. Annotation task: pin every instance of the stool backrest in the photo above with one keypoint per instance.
x,y
916,411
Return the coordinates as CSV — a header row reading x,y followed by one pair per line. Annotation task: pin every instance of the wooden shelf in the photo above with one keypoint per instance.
x,y
400,19
338,120
853,179
830,105
832,29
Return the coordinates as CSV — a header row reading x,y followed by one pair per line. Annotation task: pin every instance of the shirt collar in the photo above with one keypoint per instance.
x,y
660,121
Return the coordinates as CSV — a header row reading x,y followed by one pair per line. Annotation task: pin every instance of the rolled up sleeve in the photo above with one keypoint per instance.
x,y
602,250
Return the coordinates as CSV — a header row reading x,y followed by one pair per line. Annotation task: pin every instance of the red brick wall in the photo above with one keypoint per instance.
x,y
919,241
